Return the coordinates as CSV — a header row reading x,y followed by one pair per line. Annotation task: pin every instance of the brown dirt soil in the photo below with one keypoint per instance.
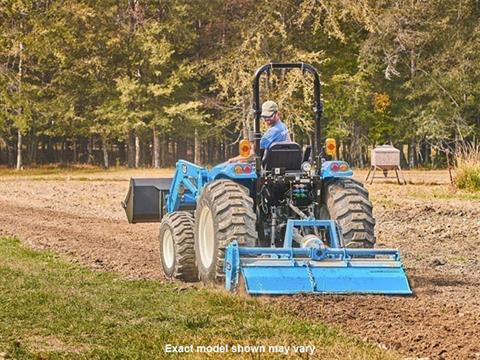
x,y
82,219
436,229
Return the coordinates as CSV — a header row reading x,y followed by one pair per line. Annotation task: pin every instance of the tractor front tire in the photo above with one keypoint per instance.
x,y
346,201
177,252
224,213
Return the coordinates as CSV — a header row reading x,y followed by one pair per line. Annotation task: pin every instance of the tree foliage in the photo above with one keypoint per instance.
x,y
404,72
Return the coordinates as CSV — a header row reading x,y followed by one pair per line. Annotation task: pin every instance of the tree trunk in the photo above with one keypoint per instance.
x,y
137,150
33,150
32,146
163,151
20,110
105,152
90,151
75,153
156,148
412,154
174,152
218,151
181,148
458,143
50,151
19,150
11,154
5,144
145,153
2,145
62,151
131,149
356,147
197,149
171,154
425,152
84,157
364,156
209,152
121,152
225,154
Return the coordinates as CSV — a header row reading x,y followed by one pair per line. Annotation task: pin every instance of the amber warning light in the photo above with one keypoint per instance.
x,y
330,147
244,147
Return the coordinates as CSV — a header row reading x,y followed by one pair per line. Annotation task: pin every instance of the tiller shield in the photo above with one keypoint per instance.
x,y
315,269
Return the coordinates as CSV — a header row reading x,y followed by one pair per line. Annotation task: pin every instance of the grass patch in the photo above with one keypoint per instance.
x,y
467,168
54,309
468,178
444,193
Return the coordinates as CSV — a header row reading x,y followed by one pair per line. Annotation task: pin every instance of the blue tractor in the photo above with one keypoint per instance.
x,y
285,221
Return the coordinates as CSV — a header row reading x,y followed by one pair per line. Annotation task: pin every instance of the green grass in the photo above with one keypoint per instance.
x,y
50,308
445,193
467,167
442,193
468,178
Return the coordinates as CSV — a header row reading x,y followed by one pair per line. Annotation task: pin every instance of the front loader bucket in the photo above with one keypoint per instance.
x,y
327,270
144,200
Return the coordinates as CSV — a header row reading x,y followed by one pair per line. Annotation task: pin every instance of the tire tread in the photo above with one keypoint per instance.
x,y
232,209
348,203
182,225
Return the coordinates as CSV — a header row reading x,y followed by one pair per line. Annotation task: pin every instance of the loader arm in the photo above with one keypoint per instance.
x,y
186,185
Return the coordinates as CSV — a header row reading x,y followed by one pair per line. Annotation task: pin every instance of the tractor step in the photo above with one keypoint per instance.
x,y
318,270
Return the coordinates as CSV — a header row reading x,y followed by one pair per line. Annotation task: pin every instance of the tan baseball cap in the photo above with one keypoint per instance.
x,y
269,108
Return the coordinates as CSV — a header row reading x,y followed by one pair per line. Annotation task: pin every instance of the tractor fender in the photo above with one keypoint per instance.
x,y
329,172
239,171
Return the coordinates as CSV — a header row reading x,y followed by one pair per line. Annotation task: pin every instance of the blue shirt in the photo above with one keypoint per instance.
x,y
276,133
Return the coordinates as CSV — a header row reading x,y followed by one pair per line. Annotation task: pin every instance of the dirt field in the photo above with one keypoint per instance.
x,y
436,229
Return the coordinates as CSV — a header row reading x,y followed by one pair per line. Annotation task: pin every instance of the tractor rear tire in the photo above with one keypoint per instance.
x,y
224,213
347,202
177,252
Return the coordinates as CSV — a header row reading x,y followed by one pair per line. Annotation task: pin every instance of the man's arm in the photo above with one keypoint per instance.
x,y
268,138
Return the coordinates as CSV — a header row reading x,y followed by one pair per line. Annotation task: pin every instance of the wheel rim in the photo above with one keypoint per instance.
x,y
206,234
168,249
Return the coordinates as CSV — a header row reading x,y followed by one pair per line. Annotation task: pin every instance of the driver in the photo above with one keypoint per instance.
x,y
276,132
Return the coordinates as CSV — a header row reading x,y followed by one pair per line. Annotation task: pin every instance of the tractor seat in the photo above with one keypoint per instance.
x,y
287,155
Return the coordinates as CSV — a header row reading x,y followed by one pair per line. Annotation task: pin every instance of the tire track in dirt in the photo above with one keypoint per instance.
x,y
417,326
105,244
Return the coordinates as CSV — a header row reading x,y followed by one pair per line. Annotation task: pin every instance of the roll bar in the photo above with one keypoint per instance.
x,y
318,108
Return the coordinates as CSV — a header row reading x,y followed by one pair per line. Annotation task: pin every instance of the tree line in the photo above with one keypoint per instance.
x,y
143,83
